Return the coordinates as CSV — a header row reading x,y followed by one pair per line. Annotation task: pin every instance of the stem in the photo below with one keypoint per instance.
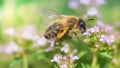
x,y
25,64
94,61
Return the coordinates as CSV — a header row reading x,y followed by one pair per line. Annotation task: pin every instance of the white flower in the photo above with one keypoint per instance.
x,y
89,31
86,33
40,41
56,58
110,39
73,58
85,2
93,11
10,31
100,2
107,38
103,27
95,29
73,4
65,48
11,47
102,38
63,66
28,32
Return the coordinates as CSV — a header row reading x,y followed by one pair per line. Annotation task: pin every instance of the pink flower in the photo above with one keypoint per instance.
x,y
93,11
102,38
85,2
65,48
11,47
10,31
103,27
56,58
110,39
73,4
40,41
28,32
100,2
63,66
87,33
95,29
73,58
107,38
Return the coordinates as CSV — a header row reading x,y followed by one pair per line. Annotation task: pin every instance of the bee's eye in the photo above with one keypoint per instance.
x,y
81,23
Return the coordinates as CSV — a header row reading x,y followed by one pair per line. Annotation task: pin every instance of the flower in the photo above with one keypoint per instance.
x,y
11,47
64,61
103,27
89,31
95,29
73,58
40,41
107,38
73,4
102,38
10,31
56,58
85,2
65,48
63,66
93,11
28,32
100,2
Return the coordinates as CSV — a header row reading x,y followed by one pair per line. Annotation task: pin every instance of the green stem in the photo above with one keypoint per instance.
x,y
94,61
25,63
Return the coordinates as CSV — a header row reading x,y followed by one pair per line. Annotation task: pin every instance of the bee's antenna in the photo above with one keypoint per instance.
x,y
89,20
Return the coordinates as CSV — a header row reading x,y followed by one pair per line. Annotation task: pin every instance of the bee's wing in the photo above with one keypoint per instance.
x,y
51,14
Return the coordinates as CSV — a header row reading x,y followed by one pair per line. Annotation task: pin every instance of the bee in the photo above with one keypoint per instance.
x,y
63,26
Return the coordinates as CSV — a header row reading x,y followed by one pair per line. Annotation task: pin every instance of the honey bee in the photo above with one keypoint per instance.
x,y
63,26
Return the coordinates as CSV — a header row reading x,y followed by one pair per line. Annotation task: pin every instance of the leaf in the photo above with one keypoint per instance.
x,y
15,62
83,65
81,54
105,54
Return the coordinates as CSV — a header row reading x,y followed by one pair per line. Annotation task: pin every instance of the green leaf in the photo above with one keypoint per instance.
x,y
15,62
83,65
105,54
81,54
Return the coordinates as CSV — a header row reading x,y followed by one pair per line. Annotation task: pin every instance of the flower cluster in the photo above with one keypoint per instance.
x,y
75,3
99,35
23,37
64,61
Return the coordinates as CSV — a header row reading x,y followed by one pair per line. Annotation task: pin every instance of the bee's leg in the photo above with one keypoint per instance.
x,y
75,34
55,42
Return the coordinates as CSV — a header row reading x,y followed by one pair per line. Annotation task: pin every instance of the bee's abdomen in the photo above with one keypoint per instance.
x,y
52,31
51,35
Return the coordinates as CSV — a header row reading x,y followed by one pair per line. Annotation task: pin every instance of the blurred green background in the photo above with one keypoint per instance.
x,y
20,13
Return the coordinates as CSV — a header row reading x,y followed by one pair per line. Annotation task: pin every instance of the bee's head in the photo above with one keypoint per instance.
x,y
82,25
